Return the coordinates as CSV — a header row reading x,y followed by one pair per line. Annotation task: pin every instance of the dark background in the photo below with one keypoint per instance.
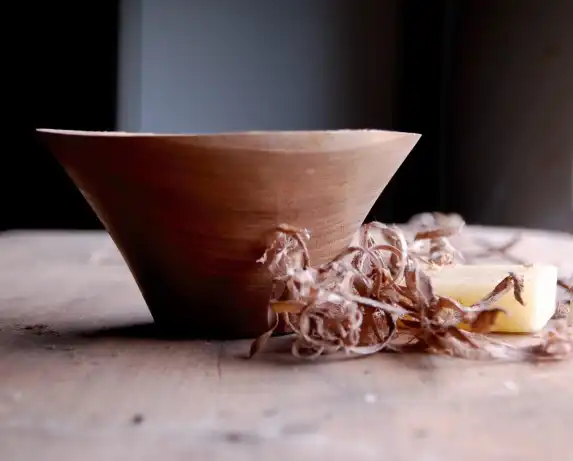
x,y
65,76
77,90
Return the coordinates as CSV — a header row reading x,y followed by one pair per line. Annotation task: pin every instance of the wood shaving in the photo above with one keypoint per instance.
x,y
376,296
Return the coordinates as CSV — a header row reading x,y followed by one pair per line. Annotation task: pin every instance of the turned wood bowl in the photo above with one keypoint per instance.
x,y
191,214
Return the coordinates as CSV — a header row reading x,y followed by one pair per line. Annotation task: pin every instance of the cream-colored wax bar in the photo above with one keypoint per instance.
x,y
470,283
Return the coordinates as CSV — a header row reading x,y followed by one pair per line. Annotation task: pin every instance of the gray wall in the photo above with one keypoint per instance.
x,y
514,112
219,65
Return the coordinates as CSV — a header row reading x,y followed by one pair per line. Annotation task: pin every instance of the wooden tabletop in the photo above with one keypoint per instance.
x,y
83,375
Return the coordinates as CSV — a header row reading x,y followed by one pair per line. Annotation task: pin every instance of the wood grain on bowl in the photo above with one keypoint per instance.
x,y
190,213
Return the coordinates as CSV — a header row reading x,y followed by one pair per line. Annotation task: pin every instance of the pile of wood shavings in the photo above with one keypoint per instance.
x,y
376,296
565,303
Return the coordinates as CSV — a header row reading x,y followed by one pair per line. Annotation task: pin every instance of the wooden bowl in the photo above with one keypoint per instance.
x,y
191,214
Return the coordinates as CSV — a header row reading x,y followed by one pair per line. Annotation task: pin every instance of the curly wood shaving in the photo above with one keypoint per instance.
x,y
565,303
566,285
563,310
259,343
435,228
376,296
556,344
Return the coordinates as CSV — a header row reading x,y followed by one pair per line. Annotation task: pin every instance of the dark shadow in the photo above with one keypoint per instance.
x,y
148,331
138,331
40,336
275,354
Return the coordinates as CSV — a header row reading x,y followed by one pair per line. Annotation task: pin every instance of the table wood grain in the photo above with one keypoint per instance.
x,y
83,375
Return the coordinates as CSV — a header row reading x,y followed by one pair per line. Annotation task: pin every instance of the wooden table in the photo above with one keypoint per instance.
x,y
83,376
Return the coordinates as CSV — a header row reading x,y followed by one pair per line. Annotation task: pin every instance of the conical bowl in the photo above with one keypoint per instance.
x,y
191,214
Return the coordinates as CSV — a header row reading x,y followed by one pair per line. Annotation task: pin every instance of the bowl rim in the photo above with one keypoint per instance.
x,y
239,133
283,142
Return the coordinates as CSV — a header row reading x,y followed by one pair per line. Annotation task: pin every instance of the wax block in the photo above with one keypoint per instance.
x,y
469,283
